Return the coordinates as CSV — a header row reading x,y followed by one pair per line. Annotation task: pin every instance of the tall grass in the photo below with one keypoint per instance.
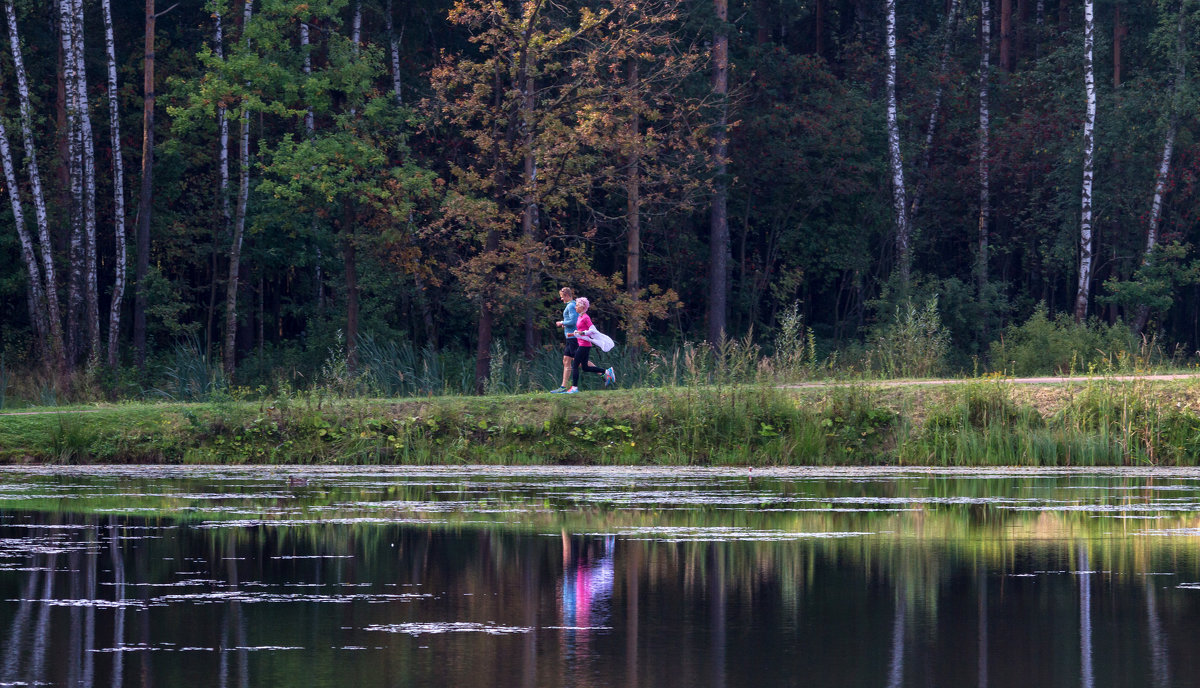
x,y
1107,423
191,374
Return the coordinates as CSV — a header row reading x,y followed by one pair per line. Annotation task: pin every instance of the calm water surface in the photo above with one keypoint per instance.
x,y
470,577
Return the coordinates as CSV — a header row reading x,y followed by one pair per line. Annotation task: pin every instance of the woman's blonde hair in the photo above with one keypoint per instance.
x,y
582,304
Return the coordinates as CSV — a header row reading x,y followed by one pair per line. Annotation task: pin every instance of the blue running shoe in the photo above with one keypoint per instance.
x,y
610,377
558,390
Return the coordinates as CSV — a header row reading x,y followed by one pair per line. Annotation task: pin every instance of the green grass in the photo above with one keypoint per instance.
x,y
982,422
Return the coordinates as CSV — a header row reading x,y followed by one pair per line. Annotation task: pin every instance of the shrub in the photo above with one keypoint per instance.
x,y
1061,345
914,344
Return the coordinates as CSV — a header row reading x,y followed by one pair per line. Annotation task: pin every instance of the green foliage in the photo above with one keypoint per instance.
x,y
192,374
1063,346
914,344
1156,281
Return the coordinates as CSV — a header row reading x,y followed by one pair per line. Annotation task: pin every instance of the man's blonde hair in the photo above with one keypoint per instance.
x,y
567,291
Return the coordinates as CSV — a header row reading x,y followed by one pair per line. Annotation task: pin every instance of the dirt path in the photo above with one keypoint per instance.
x,y
867,383
1007,380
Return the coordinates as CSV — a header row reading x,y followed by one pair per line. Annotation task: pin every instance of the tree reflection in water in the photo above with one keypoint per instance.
x,y
481,582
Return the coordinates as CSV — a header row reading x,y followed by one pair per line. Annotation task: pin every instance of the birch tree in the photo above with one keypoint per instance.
x,y
114,122
229,351
76,255
895,159
718,234
1086,240
222,175
981,271
934,111
1163,172
50,285
87,167
36,297
393,50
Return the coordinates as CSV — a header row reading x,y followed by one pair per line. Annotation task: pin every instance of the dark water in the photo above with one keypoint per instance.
x,y
542,577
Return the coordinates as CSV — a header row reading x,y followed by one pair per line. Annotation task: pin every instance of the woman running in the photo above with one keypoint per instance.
x,y
580,363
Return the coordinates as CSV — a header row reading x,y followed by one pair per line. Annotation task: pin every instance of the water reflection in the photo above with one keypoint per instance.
x,y
598,579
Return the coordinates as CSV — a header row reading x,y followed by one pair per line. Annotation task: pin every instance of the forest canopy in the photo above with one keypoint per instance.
x,y
263,182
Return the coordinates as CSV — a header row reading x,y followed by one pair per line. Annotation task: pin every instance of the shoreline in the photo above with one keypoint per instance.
x,y
1113,421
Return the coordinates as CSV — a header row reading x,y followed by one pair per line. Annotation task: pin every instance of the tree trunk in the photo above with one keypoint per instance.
x,y
394,50
633,189
935,111
114,123
239,224
984,150
1164,164
1006,56
146,195
88,169
1119,33
50,286
896,160
820,28
37,316
529,210
350,264
718,235
222,233
75,287
1089,148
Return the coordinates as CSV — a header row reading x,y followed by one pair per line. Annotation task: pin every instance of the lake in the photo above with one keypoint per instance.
x,y
472,577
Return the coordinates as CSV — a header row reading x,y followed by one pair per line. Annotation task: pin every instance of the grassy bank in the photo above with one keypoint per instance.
x,y
984,422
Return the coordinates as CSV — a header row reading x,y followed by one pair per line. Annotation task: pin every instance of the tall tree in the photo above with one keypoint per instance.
x,y
1163,173
1006,43
985,198
50,286
222,235
1086,241
87,157
239,219
74,165
718,234
36,297
896,160
114,123
936,110
146,194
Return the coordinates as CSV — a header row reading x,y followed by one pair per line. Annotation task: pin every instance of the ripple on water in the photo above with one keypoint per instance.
x,y
434,628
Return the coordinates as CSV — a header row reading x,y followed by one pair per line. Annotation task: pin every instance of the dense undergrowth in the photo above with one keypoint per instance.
x,y
985,422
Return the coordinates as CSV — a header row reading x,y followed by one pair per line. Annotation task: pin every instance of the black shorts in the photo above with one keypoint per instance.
x,y
571,346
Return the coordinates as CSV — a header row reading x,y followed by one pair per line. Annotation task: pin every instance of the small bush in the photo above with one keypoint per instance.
x,y
1063,346
914,344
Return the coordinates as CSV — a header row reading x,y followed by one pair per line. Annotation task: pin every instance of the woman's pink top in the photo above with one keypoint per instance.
x,y
582,325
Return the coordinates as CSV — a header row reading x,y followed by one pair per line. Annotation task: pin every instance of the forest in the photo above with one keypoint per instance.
x,y
275,189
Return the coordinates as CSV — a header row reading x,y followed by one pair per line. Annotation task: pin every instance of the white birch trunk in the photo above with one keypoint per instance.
x,y
239,223
36,315
984,149
114,124
934,112
1164,164
894,155
394,44
50,286
1086,252
88,170
74,167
